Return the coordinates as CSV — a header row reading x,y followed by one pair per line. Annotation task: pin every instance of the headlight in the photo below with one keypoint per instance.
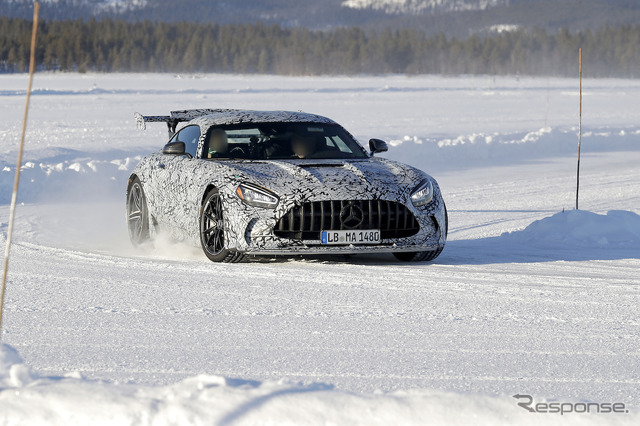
x,y
257,196
423,194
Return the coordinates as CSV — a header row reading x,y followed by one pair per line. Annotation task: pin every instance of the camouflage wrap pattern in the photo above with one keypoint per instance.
x,y
175,187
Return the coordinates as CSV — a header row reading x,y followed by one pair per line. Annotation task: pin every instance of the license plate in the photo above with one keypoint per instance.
x,y
362,236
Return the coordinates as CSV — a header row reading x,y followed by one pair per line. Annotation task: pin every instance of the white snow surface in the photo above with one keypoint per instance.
x,y
529,297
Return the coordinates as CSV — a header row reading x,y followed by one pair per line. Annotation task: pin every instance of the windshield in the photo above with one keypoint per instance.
x,y
280,141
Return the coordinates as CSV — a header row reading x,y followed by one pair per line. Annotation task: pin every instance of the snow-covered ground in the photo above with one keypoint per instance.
x,y
526,299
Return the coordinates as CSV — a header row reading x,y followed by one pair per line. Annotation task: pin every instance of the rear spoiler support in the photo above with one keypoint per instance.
x,y
173,119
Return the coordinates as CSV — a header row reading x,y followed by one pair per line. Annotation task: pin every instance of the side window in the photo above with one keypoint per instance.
x,y
189,135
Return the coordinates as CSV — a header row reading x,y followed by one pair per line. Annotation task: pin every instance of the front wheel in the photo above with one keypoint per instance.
x,y
212,225
425,256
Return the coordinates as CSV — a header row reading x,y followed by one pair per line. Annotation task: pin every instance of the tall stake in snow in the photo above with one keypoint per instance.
x,y
14,196
579,126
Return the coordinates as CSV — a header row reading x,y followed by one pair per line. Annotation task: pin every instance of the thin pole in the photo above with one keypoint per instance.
x,y
14,196
579,126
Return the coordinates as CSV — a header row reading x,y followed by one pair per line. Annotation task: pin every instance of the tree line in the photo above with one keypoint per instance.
x,y
110,45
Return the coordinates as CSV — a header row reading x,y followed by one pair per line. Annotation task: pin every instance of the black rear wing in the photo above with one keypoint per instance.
x,y
173,119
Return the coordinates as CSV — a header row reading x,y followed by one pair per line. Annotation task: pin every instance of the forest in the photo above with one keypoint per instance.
x,y
114,45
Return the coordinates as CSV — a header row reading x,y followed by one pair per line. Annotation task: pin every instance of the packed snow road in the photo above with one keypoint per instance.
x,y
511,306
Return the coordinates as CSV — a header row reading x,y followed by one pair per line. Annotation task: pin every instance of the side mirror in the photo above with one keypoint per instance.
x,y
174,148
378,145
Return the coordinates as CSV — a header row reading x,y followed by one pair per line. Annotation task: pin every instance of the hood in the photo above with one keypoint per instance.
x,y
333,178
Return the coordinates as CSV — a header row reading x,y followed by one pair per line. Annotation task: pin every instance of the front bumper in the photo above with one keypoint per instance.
x,y
254,231
259,239
347,249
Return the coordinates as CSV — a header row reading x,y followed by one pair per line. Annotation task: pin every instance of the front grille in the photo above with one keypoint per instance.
x,y
394,220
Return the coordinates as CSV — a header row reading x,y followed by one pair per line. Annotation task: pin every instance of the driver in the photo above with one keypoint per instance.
x,y
303,145
218,143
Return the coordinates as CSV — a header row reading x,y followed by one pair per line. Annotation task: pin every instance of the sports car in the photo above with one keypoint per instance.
x,y
239,183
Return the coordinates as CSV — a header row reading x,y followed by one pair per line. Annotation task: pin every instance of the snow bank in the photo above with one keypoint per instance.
x,y
579,228
485,149
70,400
72,179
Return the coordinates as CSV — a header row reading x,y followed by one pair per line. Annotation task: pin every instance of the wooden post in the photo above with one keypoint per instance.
x,y
579,126
12,209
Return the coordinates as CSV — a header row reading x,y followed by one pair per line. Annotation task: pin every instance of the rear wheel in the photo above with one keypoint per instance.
x,y
137,213
425,256
212,225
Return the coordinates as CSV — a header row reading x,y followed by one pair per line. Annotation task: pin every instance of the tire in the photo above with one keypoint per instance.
x,y
212,226
425,256
137,213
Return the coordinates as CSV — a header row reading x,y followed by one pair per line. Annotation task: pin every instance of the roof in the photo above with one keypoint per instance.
x,y
206,118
